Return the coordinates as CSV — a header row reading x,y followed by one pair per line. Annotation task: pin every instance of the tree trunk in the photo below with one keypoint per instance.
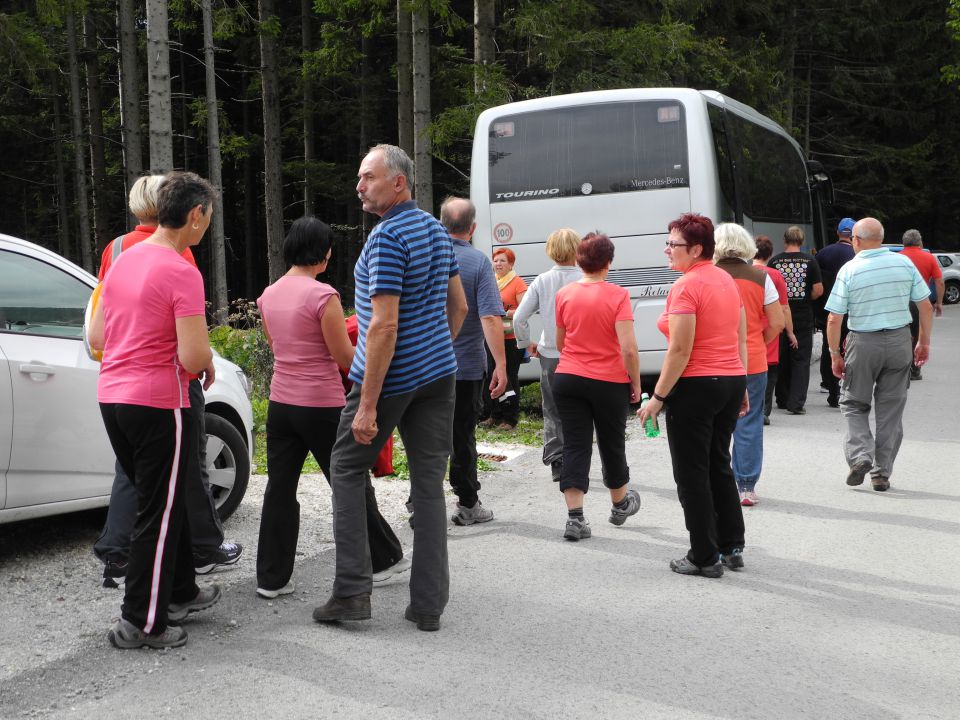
x,y
404,78
79,146
63,219
484,48
309,142
130,132
218,280
251,258
272,160
158,84
98,162
184,101
365,223
422,158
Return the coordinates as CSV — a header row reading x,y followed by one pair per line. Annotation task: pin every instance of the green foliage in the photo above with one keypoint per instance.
x,y
243,343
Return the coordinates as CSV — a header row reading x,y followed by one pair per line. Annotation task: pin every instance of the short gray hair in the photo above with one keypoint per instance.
x,y
912,238
143,196
397,162
457,215
733,241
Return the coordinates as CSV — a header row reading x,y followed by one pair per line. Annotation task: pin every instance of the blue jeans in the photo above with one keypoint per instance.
x,y
748,436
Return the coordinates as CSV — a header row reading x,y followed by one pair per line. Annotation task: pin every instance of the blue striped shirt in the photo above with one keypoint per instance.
x,y
874,290
408,254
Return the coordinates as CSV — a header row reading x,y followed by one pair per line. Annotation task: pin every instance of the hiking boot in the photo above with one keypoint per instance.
x,y
114,573
733,559
556,468
337,609
577,529
207,597
428,623
206,561
271,594
619,517
685,567
124,635
880,483
858,471
468,516
398,568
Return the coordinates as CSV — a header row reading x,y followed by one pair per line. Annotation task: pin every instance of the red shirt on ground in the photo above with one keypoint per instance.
x,y
711,294
588,313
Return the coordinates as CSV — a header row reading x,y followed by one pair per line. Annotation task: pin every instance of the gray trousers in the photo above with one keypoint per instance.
x,y
877,374
424,418
552,430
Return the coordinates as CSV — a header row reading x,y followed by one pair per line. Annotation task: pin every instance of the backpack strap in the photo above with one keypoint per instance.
x,y
117,248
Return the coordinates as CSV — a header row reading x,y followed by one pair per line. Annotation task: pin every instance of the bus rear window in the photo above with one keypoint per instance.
x,y
588,150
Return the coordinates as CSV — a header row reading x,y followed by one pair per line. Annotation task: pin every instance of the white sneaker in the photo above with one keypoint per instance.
x,y
468,516
401,566
271,594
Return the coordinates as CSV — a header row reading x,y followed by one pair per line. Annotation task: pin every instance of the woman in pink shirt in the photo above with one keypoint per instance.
x,y
151,325
702,385
303,322
597,378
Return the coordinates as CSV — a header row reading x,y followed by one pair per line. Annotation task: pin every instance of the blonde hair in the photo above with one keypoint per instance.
x,y
562,246
143,196
733,241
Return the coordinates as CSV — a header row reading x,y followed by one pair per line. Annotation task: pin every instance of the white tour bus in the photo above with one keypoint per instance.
x,y
626,163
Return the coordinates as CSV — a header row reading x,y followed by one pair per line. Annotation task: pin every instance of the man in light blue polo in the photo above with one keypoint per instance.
x,y
874,291
410,305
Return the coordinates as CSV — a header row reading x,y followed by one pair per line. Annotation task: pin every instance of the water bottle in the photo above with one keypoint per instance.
x,y
650,427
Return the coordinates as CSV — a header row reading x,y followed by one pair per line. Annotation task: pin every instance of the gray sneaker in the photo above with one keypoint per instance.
x,y
577,529
124,635
618,516
733,559
207,597
685,567
468,516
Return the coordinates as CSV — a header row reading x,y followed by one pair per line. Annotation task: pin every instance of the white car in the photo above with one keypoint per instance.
x,y
54,453
950,265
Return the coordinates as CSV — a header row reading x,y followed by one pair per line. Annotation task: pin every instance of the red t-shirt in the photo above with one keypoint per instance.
x,y
926,263
588,313
711,294
149,287
304,371
137,235
773,347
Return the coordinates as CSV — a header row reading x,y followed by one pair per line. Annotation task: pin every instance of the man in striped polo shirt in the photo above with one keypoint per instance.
x,y
874,291
410,305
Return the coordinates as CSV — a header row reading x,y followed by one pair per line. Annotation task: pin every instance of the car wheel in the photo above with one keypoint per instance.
x,y
951,293
228,464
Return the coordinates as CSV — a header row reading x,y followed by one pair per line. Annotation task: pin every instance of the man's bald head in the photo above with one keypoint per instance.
x,y
867,234
457,215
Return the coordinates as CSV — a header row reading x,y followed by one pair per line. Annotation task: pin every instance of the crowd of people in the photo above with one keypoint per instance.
x,y
441,331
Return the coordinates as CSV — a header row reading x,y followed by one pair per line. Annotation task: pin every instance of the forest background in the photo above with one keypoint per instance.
x,y
278,100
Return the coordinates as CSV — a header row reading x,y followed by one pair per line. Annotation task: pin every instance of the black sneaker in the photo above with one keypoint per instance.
x,y
114,573
576,529
207,561
733,559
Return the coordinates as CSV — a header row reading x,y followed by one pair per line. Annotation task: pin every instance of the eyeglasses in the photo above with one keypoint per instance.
x,y
673,245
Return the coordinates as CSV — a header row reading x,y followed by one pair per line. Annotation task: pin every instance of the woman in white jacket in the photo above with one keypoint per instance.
x,y
541,296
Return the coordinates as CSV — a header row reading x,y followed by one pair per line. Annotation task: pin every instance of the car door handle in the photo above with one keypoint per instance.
x,y
37,372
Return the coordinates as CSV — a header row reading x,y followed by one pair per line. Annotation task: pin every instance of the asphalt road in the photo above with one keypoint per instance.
x,y
849,605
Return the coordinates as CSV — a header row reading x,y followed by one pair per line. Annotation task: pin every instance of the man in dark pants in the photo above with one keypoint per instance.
x,y
484,310
830,260
410,305
802,276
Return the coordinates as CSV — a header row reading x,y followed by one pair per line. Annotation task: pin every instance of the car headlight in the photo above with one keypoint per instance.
x,y
245,382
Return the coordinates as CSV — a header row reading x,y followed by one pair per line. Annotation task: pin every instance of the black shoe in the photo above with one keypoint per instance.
x,y
427,623
114,573
915,373
556,467
206,561
337,609
880,484
206,597
685,567
733,559
766,420
797,411
833,402
858,471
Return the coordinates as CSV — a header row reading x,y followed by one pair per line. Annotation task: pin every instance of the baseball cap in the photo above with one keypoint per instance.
x,y
845,227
